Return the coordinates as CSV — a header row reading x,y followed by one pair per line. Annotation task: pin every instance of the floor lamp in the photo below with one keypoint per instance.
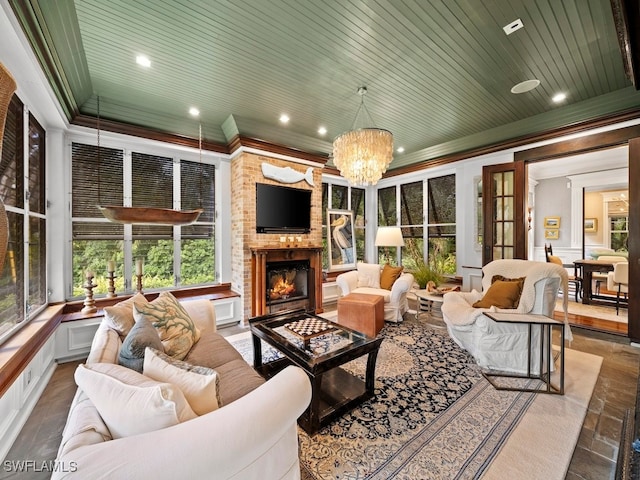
x,y
389,237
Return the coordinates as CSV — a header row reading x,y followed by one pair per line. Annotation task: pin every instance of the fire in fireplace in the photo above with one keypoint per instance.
x,y
287,281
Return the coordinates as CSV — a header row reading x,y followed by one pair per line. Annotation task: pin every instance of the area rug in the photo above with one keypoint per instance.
x,y
435,417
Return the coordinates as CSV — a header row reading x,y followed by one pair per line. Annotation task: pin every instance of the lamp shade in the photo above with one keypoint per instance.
x,y
389,237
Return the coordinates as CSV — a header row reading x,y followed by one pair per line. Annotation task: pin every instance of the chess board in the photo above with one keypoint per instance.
x,y
309,328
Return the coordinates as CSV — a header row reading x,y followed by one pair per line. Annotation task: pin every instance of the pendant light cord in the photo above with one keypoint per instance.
x,y
99,155
200,161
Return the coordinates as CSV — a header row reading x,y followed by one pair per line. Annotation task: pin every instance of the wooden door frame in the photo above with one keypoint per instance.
x,y
624,136
519,203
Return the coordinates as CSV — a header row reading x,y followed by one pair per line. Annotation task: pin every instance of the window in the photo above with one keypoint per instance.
x,y
406,202
441,225
23,287
341,197
619,232
412,223
172,255
387,216
37,217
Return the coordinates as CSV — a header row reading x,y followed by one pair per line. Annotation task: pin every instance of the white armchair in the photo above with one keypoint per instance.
x,y
366,279
504,346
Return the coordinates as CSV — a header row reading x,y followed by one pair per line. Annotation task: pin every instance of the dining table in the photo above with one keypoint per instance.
x,y
588,267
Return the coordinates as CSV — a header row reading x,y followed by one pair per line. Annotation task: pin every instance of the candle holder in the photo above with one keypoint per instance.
x,y
89,302
111,288
139,284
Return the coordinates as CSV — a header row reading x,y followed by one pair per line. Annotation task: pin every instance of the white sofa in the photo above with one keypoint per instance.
x,y
252,437
395,300
503,346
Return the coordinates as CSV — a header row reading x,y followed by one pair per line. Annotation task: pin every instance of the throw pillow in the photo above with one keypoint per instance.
x,y
389,275
501,294
120,316
200,385
174,325
368,275
519,281
130,403
142,335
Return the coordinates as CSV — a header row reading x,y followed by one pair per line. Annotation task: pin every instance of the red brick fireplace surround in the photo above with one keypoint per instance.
x,y
250,249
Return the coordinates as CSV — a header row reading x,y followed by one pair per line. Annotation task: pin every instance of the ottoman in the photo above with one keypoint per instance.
x,y
362,312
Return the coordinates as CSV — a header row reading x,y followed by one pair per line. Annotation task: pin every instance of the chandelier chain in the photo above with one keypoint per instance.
x,y
362,91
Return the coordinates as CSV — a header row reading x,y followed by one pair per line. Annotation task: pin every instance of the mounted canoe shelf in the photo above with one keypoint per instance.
x,y
149,215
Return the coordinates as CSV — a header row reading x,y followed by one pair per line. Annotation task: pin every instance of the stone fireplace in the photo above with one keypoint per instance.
x,y
251,250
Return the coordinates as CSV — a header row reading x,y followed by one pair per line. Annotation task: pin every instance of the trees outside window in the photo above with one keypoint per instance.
x,y
619,231
441,226
406,202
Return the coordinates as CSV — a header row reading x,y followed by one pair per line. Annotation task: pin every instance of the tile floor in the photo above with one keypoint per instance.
x,y
594,457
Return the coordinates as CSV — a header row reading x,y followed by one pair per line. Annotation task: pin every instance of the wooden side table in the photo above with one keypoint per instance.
x,y
546,325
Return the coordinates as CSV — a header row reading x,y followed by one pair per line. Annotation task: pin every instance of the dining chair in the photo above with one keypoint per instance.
x,y
575,279
618,281
602,277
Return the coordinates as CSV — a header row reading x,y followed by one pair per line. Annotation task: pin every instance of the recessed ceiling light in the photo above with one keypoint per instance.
x,y
143,61
194,111
322,131
525,86
559,97
400,150
284,118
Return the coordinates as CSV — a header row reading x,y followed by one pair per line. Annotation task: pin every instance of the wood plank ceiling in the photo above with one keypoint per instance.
x,y
439,72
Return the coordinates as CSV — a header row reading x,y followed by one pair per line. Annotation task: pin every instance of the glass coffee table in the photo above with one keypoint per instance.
x,y
319,347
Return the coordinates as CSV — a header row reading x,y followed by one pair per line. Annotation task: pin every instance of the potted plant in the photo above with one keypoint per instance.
x,y
423,274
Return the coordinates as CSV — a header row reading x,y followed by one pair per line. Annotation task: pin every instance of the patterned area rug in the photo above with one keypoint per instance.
x,y
434,416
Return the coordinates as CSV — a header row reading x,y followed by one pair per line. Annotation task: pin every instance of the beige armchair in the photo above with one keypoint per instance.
x,y
366,279
602,277
618,281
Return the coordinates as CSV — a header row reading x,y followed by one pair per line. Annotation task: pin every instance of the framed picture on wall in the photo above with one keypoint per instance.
x,y
341,240
551,222
552,234
590,225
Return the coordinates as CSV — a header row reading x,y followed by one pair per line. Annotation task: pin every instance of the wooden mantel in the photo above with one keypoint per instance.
x,y
259,258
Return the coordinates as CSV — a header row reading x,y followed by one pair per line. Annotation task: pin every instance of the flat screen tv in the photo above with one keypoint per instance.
x,y
282,209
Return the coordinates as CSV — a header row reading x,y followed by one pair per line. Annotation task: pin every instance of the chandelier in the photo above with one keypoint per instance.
x,y
362,155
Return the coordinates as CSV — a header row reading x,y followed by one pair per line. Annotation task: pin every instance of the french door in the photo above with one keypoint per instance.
x,y
503,210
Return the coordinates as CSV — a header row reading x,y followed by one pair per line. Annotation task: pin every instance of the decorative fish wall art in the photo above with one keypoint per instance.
x,y
287,174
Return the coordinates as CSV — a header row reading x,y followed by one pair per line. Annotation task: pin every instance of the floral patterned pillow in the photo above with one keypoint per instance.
x,y
177,331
